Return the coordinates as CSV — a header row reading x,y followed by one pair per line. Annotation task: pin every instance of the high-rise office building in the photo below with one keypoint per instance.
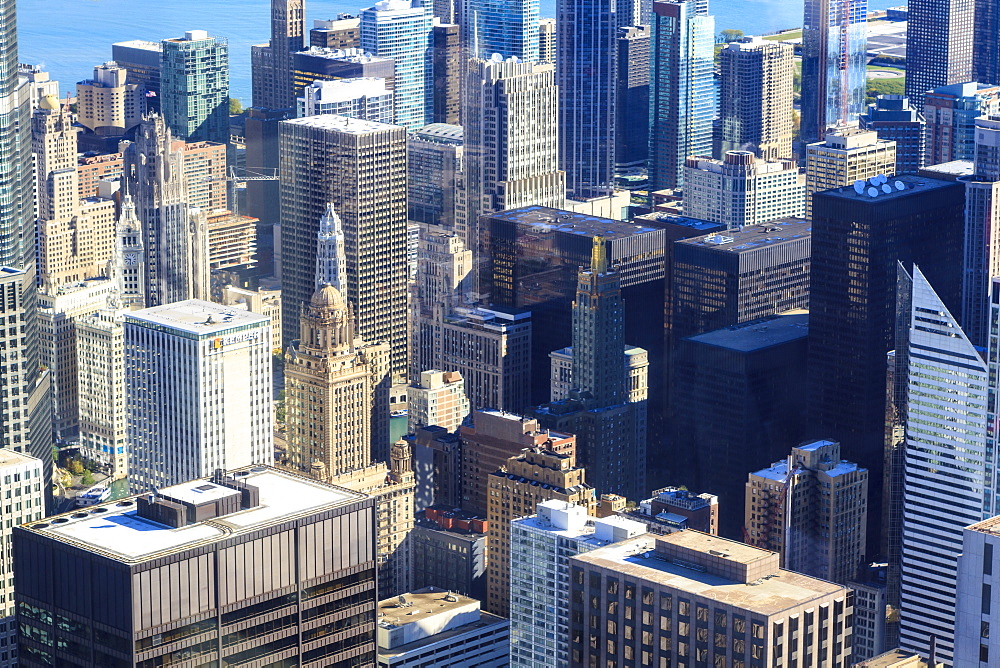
x,y
892,117
344,32
511,141
754,374
755,97
632,90
507,28
210,560
447,72
329,160
939,45
435,166
951,113
812,509
858,239
26,421
20,474
947,375
636,373
321,64
366,98
288,27
547,41
492,439
141,59
437,463
982,231
985,45
685,595
199,391
533,476
979,593
834,64
108,103
540,548
846,155
175,243
742,189
401,30
449,550
194,86
681,95
437,399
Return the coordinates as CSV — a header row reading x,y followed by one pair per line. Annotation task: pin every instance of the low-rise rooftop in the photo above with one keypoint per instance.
x,y
758,334
196,316
752,237
341,124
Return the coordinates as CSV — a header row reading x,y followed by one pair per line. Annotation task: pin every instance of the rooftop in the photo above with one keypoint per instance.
x,y
115,531
341,90
419,605
887,188
752,237
353,54
544,219
198,317
949,170
440,132
341,124
990,526
769,595
758,334
10,458
666,218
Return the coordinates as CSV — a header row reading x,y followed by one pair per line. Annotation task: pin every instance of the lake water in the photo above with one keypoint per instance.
x,y
69,37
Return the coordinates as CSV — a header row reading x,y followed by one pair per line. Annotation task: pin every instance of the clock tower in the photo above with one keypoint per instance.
x,y
128,265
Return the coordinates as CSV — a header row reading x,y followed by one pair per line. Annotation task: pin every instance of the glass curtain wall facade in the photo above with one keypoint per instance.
x,y
194,87
834,64
507,27
939,39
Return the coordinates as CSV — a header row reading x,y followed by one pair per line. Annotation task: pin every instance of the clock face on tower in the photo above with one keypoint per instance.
x,y
131,259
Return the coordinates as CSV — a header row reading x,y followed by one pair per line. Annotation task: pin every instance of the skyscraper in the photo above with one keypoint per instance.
x,y
448,72
359,167
365,98
401,30
951,112
986,45
108,102
26,426
755,97
271,64
20,474
681,96
632,90
509,28
834,66
939,45
894,119
846,155
435,167
982,231
199,391
194,86
511,140
978,591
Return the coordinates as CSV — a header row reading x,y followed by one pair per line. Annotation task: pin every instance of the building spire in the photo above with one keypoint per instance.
x,y
331,261
598,256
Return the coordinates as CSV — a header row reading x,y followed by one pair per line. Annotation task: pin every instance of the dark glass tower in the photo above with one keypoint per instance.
x,y
939,36
25,414
986,44
834,65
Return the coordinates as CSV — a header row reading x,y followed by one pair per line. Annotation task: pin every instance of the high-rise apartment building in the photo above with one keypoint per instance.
x,y
949,410
525,480
447,73
689,596
271,63
742,189
20,474
401,30
437,399
364,98
834,64
194,86
753,373
327,160
507,28
812,509
755,97
547,41
979,593
344,32
681,98
540,548
25,415
632,91
511,139
209,560
107,103
199,391
321,64
449,550
844,156
951,112
492,439
892,117
435,167
939,45
858,240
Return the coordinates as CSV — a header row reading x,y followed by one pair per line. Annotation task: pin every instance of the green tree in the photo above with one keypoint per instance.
x,y
87,479
75,466
235,107
730,35
893,86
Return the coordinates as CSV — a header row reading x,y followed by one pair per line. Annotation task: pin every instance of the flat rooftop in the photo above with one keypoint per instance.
x,y
341,124
758,334
197,317
990,526
752,237
544,219
893,188
10,458
351,55
115,531
637,558
419,605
